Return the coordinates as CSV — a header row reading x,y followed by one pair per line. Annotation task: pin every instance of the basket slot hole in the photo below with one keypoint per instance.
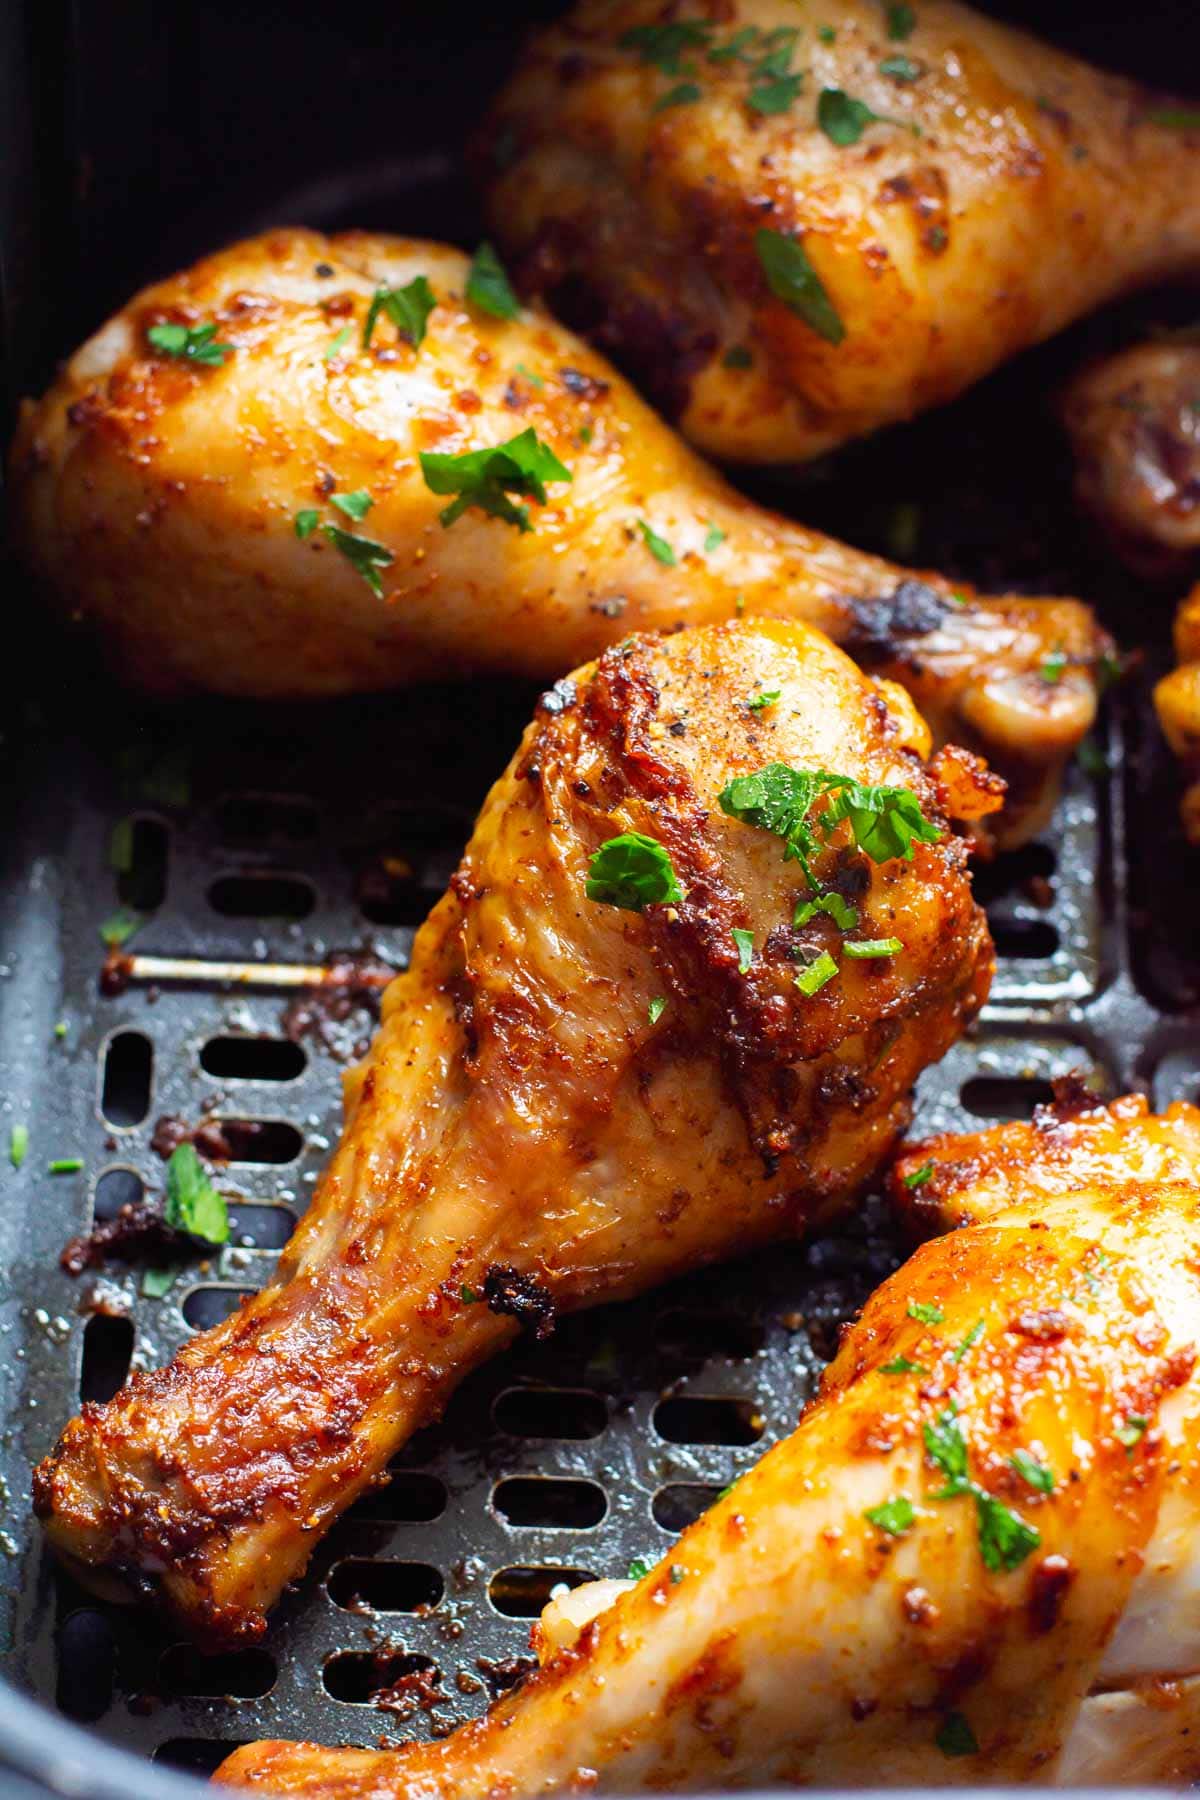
x,y
261,897
260,1227
680,1504
114,1189
107,1353
1018,874
550,1413
685,1419
253,1059
410,1497
128,1073
389,892
140,848
1005,1096
232,1675
521,1592
256,1140
356,1676
541,1500
389,1587
1026,939
86,1659
262,818
209,1306
199,1756
697,1335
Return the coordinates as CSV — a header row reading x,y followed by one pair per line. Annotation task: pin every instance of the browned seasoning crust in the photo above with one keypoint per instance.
x,y
520,1113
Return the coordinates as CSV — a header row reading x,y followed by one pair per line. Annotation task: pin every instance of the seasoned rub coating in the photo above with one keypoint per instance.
x,y
967,192
974,1561
566,1101
159,500
1177,703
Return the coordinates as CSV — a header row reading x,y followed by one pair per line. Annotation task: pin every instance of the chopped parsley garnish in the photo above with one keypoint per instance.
x,y
745,948
533,380
738,357
827,34
60,1030
884,821
193,1205
190,343
365,557
632,872
714,537
1053,668
955,1737
920,1176
407,307
844,916
901,68
65,1165
901,20
1005,1539
120,926
661,46
684,93
467,1295
677,1573
656,1009
895,1516
486,478
488,287
842,118
638,1567
816,975
18,1145
864,949
355,506
760,702
900,1365
770,97
946,1448
306,522
793,280
1033,1473
337,343
158,1282
925,1313
739,48
1131,1431
657,546
972,1338
1175,118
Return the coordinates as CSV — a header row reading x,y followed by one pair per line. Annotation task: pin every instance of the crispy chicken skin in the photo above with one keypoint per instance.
x,y
1003,190
1003,1632
1177,703
524,1138
158,501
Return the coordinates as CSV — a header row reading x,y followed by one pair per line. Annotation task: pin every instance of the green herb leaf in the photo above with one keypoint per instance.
x,y
190,343
632,872
657,546
1131,1431
1054,667
920,1176
760,702
467,1295
18,1145
60,1030
488,286
714,537
740,48
156,1282
306,522
638,1568
946,1448
365,557
1035,1474
656,1009
407,307
533,380
901,20
886,821
900,1365
738,357
661,46
193,1205
955,1737
816,975
337,343
355,506
864,949
895,1516
769,97
683,94
925,1313
843,119
827,34
120,926
1175,118
1005,1540
677,1573
844,916
745,948
792,279
973,1336
65,1165
485,478
901,68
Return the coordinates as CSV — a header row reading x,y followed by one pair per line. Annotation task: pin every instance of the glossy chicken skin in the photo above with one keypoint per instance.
x,y
1003,189
529,1134
158,500
1177,703
790,1638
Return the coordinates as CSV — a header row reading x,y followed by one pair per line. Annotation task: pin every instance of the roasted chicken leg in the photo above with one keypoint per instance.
x,y
975,1560
599,1070
797,229
253,516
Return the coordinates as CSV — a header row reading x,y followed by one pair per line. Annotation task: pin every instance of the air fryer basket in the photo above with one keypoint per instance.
x,y
250,833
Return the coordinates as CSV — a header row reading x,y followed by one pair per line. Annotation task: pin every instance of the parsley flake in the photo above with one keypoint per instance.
x,y
1175,118
1054,667
844,916
920,1176
816,975
158,1282
900,1365
972,1338
65,1165
1131,1431
827,34
488,287
365,557
533,380
193,1205
955,1737
306,522
407,307
901,68
657,546
901,20
677,1573
355,506
771,97
190,343
467,1295
632,872
337,343
745,948
895,1516
925,1313
638,1568
656,1009
842,118
864,949
946,1448
1005,1540
485,478
793,280
885,822
18,1145
760,702
684,93
714,537
120,926
1033,1473
661,46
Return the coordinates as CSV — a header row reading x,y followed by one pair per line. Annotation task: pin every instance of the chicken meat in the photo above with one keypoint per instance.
x,y
226,483
710,927
975,1560
796,230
